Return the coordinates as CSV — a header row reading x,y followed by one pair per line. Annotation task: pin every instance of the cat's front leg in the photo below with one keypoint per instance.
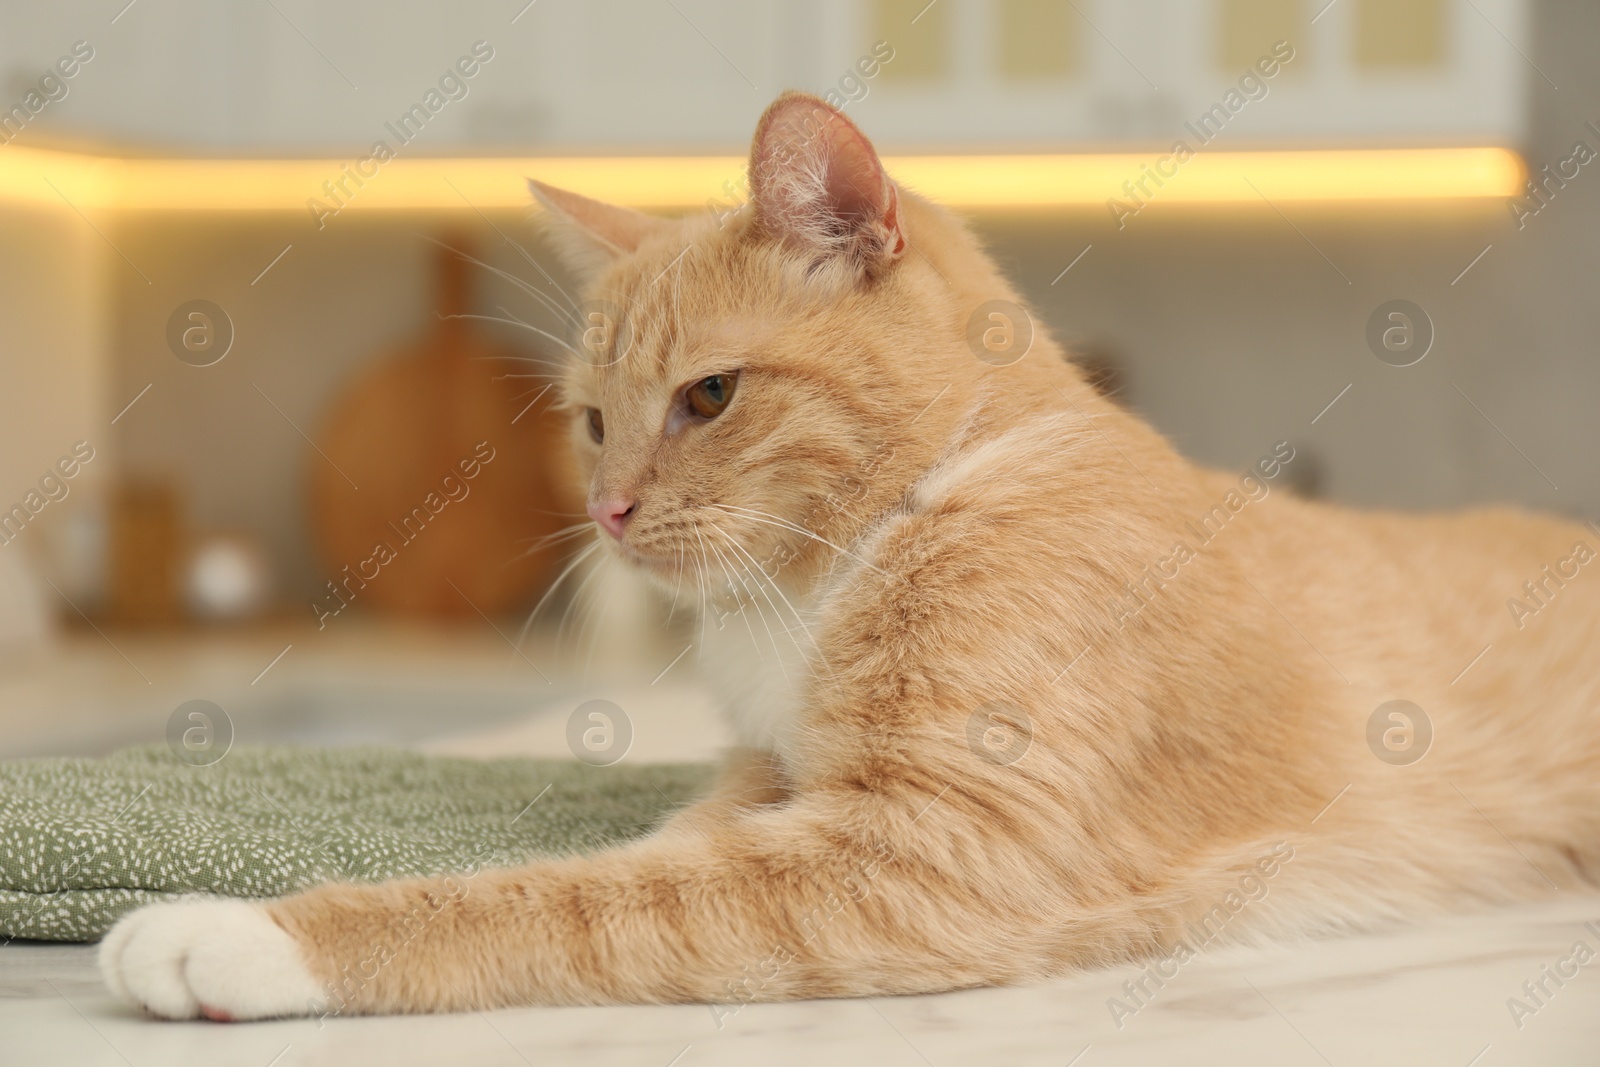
x,y
804,900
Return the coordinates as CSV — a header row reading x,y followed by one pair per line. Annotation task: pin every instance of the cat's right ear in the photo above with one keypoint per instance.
x,y
588,235
817,185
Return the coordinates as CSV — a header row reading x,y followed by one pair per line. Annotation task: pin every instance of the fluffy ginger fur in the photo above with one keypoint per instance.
x,y
943,549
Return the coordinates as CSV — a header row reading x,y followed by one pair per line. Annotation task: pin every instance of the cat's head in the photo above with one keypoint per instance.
x,y
748,387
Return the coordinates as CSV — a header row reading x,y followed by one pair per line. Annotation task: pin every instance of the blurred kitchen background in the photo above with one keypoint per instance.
x,y
236,359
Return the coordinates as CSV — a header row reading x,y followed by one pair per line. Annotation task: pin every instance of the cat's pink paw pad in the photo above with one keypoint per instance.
x,y
223,959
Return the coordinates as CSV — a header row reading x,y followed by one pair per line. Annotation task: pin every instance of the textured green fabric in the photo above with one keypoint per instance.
x,y
84,840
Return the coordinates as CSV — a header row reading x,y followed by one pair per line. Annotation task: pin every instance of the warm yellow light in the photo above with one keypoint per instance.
x,y
1214,177
33,175
987,181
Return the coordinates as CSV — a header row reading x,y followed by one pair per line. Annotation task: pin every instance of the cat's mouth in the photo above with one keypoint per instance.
x,y
660,562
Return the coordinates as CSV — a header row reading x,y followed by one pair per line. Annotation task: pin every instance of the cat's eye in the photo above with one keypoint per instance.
x,y
708,397
597,425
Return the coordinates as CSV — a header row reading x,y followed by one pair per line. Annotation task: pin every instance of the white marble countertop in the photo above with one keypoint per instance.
x,y
1432,993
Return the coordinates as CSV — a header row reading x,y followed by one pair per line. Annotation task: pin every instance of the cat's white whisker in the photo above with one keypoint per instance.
x,y
566,533
591,624
700,582
539,294
677,585
570,567
776,651
520,283
760,576
776,520
575,610
733,578
546,334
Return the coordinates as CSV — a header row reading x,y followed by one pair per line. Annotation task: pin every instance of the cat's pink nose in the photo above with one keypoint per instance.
x,y
612,514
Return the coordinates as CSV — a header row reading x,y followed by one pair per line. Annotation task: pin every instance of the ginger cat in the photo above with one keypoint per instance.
x,y
1019,689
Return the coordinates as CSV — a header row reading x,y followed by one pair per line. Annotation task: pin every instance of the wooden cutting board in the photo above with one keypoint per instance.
x,y
439,468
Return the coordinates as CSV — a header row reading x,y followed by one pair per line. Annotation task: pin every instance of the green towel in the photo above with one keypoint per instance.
x,y
84,840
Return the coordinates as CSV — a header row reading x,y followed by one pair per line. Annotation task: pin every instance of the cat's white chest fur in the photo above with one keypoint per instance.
x,y
759,667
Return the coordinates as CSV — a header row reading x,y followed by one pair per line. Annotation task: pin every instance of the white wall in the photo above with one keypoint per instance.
x,y
54,375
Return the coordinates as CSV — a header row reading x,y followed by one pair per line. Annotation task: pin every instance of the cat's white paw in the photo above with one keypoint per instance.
x,y
224,959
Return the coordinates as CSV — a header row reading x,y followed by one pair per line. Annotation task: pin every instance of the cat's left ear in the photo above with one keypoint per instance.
x,y
817,184
590,235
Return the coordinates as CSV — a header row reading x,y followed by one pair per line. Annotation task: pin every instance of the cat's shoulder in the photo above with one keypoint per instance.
x,y
996,469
